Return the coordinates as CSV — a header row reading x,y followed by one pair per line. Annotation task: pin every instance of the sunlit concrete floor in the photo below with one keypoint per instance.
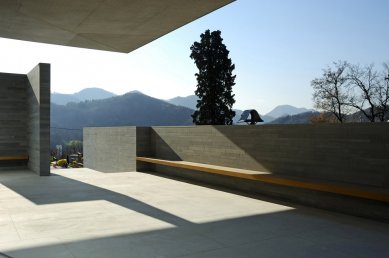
x,y
85,213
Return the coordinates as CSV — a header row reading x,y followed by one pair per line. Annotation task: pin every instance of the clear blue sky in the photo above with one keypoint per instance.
x,y
278,47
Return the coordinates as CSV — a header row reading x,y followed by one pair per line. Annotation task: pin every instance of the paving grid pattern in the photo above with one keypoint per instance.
x,y
84,213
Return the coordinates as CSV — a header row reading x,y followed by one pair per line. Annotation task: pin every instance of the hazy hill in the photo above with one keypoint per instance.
x,y
302,118
284,110
129,109
85,94
93,93
63,99
189,101
279,111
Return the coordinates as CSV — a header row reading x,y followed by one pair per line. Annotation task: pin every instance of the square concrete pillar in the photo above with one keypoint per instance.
x,y
38,98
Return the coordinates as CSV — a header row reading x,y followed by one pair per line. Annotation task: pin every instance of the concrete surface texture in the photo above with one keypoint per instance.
x,y
25,117
131,214
39,119
13,114
350,153
113,25
110,149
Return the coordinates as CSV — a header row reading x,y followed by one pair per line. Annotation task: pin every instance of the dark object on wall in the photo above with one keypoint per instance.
x,y
250,116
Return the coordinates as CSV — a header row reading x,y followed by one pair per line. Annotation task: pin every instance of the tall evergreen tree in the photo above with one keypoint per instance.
x,y
214,80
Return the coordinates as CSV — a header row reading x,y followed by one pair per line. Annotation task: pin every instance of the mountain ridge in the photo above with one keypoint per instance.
x,y
287,110
84,94
277,112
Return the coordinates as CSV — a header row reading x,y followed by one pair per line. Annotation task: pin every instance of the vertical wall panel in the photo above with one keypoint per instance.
x,y
13,114
110,149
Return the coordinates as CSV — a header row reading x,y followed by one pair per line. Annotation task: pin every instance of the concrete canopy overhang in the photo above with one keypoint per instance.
x,y
112,25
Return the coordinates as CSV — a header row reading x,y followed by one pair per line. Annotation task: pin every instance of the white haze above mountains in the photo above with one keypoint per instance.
x,y
189,102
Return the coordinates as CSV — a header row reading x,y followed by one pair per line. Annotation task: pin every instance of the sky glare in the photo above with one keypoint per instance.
x,y
277,46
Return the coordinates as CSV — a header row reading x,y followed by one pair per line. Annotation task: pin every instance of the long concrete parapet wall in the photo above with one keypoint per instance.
x,y
352,153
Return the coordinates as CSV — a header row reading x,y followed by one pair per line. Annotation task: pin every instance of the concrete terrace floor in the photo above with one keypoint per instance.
x,y
84,213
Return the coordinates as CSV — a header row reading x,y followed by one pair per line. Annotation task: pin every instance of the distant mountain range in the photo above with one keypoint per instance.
x,y
98,107
189,101
133,108
95,107
287,110
302,118
278,112
85,94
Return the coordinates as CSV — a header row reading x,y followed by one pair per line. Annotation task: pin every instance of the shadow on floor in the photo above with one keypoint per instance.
x,y
58,189
292,233
301,232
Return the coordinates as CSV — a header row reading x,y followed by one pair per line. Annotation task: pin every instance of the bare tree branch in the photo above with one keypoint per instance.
x,y
363,83
383,94
330,93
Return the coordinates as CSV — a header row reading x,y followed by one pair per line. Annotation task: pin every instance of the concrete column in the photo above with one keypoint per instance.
x,y
38,97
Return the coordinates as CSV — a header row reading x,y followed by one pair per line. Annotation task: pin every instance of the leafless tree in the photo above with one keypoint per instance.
x,y
383,94
330,91
363,83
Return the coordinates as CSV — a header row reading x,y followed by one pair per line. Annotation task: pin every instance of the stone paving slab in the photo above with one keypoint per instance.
x,y
85,213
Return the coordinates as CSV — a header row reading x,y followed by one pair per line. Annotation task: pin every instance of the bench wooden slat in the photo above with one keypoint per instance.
x,y
20,157
343,189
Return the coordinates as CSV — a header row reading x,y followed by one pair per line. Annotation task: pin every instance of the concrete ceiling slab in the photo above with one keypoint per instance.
x,y
112,25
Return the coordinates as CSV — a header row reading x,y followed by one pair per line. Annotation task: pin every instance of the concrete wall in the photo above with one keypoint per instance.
x,y
25,117
353,153
144,148
110,149
38,99
13,114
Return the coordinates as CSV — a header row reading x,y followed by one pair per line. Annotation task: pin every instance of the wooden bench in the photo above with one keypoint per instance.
x,y
12,158
370,193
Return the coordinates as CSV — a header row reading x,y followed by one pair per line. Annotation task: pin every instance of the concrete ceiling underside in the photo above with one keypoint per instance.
x,y
112,25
